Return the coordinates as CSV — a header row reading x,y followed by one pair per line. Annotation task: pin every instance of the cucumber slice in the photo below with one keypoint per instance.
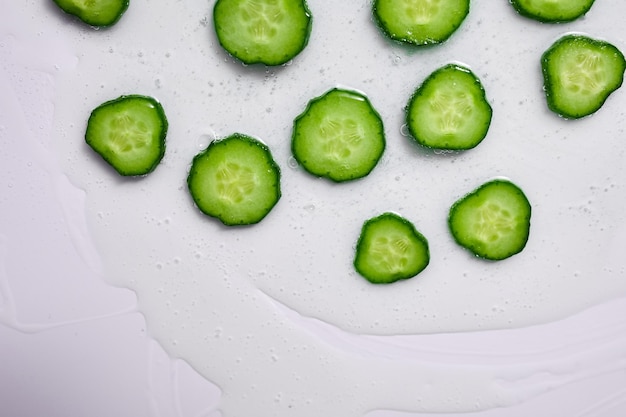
x,y
552,11
269,32
235,180
129,133
390,249
420,22
98,13
580,73
493,221
449,110
339,136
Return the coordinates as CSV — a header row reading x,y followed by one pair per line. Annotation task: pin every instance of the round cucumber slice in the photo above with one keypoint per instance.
x,y
235,180
493,221
270,32
552,11
420,22
129,133
449,110
580,73
339,136
390,249
97,13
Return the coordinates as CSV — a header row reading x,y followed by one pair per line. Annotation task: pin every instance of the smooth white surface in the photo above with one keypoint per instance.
x,y
272,314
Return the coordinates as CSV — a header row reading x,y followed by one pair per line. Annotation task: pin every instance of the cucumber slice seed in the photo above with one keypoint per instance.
x,y
552,11
580,73
97,13
270,32
389,249
339,136
235,180
449,110
420,22
129,133
493,221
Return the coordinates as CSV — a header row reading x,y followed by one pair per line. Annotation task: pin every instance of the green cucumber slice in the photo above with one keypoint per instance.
x,y
235,180
98,13
580,73
129,133
420,22
390,249
493,221
339,136
269,32
449,110
552,11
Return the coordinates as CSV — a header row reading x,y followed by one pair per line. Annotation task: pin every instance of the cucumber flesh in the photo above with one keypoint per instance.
x,y
389,249
552,11
493,221
235,180
129,133
339,136
580,73
97,13
420,22
449,110
269,32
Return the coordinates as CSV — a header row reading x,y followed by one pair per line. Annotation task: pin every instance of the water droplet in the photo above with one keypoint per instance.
x,y
292,163
404,130
204,140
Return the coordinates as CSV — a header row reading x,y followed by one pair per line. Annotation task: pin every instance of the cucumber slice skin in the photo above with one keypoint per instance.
x,y
339,136
390,249
569,60
96,13
420,22
268,32
493,221
552,11
129,133
235,180
449,110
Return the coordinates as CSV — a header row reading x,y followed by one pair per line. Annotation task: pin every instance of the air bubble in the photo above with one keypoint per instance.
x,y
404,130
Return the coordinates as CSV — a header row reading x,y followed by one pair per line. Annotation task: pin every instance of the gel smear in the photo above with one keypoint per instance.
x,y
274,314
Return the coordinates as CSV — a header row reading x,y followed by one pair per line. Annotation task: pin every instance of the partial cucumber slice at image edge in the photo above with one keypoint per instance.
x,y
339,136
449,110
580,73
269,32
419,23
493,221
390,249
235,180
129,133
97,13
552,11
